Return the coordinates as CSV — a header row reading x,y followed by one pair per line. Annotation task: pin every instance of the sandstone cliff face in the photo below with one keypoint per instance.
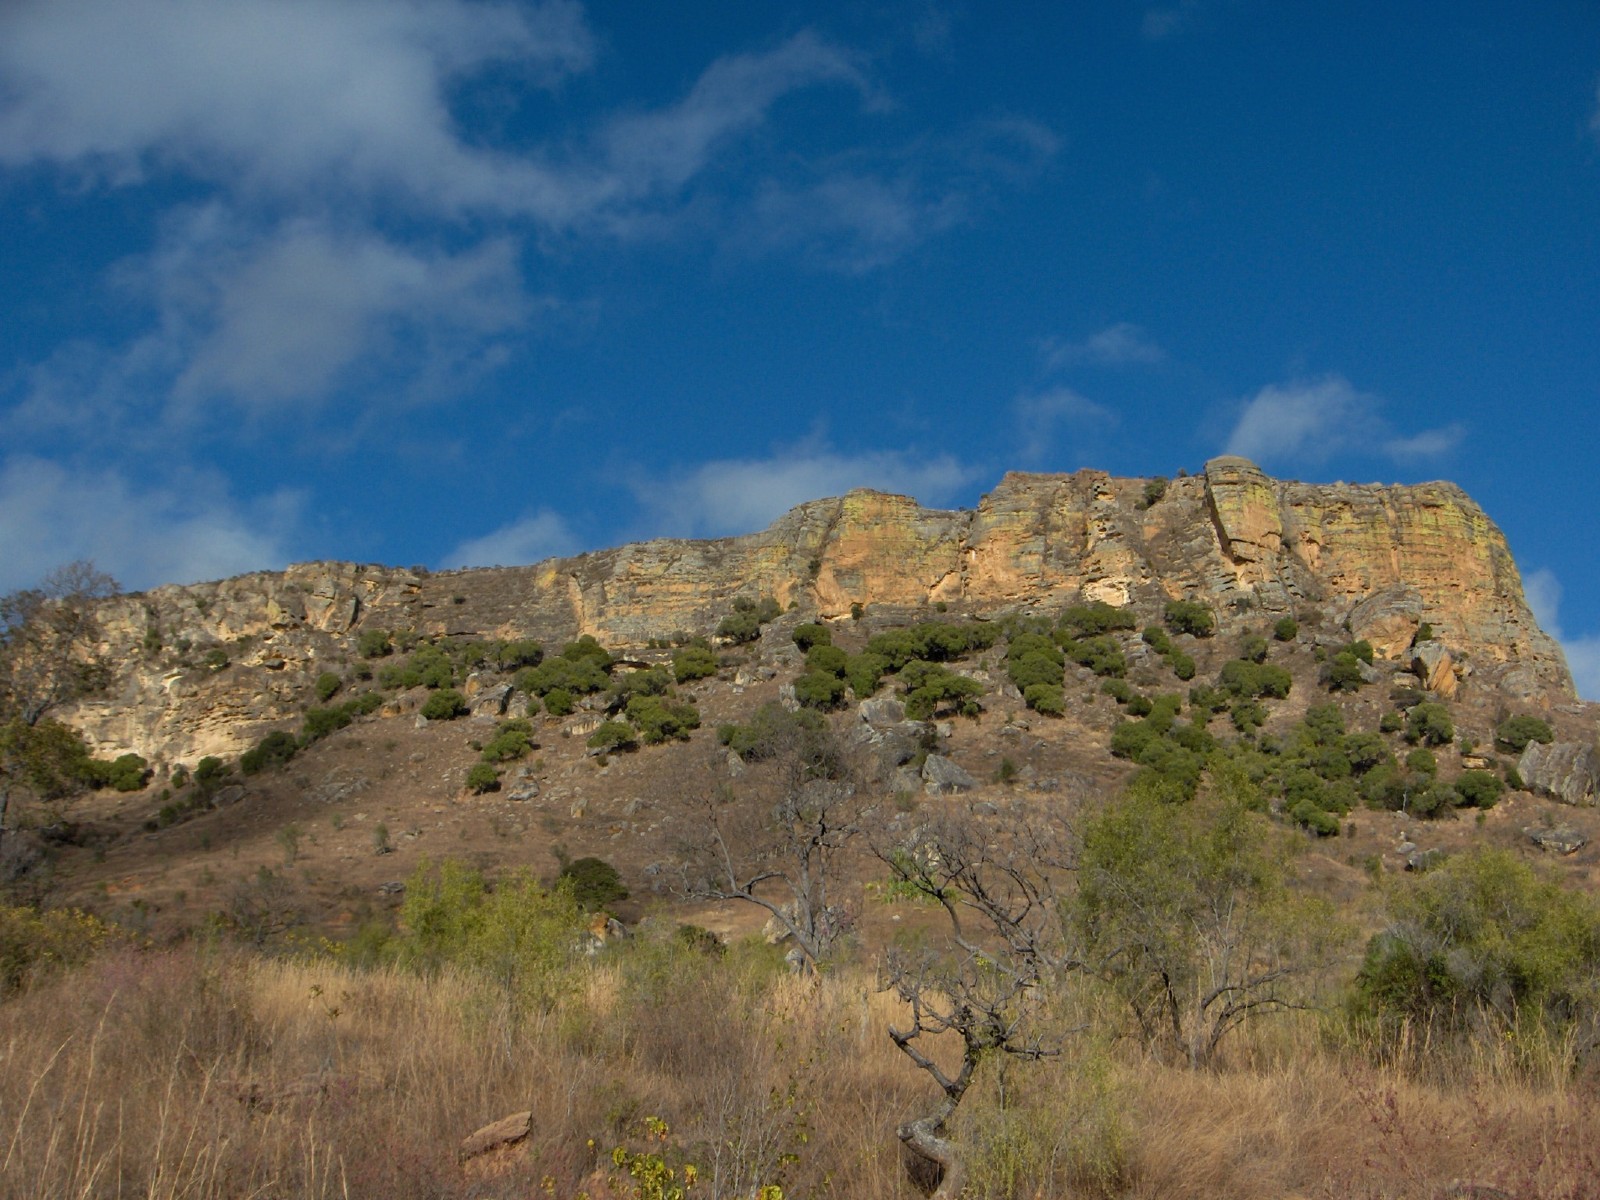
x,y
1363,560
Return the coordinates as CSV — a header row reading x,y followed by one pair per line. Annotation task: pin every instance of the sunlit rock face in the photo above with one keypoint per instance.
x,y
1376,562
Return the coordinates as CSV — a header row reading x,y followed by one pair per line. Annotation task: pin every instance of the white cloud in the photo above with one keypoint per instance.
x,y
741,495
668,147
1543,592
530,539
1040,413
281,96
1122,344
185,531
850,222
285,315
1313,420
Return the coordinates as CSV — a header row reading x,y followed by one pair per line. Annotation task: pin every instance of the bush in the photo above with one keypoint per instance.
x,y
446,704
1479,789
595,883
327,684
931,687
374,643
216,659
660,719
1253,648
1156,638
320,722
1100,654
1286,629
614,735
511,741
811,634
1182,665
1097,617
1480,936
864,671
828,659
693,662
126,773
1343,673
558,702
1514,733
1391,722
274,750
819,689
1318,820
1154,490
1248,680
1187,616
482,777
1430,724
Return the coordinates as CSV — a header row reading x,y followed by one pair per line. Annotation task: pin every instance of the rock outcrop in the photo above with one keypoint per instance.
x,y
1363,560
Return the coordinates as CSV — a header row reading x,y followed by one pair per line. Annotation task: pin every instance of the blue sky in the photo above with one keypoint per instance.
x,y
454,282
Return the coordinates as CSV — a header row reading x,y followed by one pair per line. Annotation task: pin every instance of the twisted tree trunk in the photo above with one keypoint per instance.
x,y
923,1137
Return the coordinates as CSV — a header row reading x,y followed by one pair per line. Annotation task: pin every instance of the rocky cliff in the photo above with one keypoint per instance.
x,y
1356,560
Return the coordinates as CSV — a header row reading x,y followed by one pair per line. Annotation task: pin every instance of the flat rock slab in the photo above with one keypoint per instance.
x,y
507,1131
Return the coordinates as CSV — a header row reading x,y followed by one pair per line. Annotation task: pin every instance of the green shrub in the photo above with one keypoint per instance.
x,y
1430,724
819,689
595,883
1286,629
1248,680
215,659
1316,819
812,634
446,704
1479,789
1422,762
1514,733
274,750
661,719
374,643
519,652
1483,935
1253,648
1156,638
1391,722
1095,618
320,722
1342,673
694,662
864,671
829,659
931,687
1182,665
482,777
327,684
1100,654
614,735
512,740
1188,616
558,702
1118,690
1154,490
652,681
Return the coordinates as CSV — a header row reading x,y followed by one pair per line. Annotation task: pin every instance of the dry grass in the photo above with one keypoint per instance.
x,y
211,1074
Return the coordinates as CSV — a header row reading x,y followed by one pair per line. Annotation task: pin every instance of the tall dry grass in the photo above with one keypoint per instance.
x,y
195,1073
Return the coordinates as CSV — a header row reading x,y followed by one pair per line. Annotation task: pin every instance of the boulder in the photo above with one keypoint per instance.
x,y
882,711
507,1131
490,703
1434,665
1560,839
1565,771
941,777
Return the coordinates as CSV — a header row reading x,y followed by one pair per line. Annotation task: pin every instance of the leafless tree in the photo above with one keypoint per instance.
x,y
778,837
1005,949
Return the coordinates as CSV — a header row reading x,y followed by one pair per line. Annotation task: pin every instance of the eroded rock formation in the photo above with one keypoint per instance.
x,y
1376,561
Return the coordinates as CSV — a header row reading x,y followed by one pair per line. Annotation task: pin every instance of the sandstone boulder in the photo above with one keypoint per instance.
x,y
507,1131
1565,771
1559,839
941,777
